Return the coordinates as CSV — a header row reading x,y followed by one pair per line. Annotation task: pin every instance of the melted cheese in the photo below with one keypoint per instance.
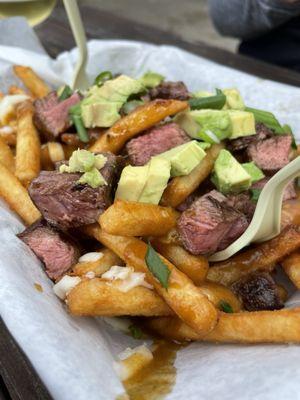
x,y
91,257
125,277
65,285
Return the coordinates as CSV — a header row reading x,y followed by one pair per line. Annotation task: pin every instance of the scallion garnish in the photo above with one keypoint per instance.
x,y
216,102
103,77
135,331
157,267
66,93
255,193
266,118
225,307
75,115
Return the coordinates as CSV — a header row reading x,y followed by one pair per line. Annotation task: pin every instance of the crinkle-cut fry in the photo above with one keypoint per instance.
x,y
128,218
280,326
28,149
181,187
137,121
37,87
182,295
6,156
195,267
291,266
51,152
262,257
13,89
108,259
17,197
96,297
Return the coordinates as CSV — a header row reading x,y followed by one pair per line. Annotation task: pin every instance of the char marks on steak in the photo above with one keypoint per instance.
x,y
170,90
58,251
155,141
65,203
262,132
271,154
210,224
51,116
257,292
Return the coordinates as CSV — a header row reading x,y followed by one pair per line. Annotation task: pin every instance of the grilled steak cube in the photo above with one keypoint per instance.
x,y
289,191
170,90
157,140
258,292
57,250
51,116
262,132
65,203
242,202
209,224
271,154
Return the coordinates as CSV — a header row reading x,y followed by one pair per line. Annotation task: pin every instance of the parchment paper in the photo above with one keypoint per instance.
x,y
73,356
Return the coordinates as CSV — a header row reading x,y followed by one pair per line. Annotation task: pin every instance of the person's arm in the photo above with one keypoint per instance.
x,y
246,19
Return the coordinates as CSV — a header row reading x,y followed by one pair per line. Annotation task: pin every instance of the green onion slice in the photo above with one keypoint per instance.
x,y
216,102
66,93
103,77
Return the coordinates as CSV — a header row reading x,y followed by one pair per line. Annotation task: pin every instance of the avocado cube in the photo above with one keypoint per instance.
x,y
255,173
234,100
243,123
99,114
132,183
184,158
157,180
214,125
229,175
188,124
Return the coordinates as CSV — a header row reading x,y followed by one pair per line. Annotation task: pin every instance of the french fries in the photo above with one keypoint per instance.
x,y
17,197
51,152
8,134
28,150
140,119
108,259
182,295
181,187
291,266
16,90
263,257
6,156
96,297
280,326
137,219
31,81
195,267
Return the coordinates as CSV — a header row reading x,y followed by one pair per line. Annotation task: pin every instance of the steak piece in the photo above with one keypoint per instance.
x,y
157,140
289,191
209,224
170,90
271,154
262,132
257,292
72,139
57,250
242,202
51,116
65,203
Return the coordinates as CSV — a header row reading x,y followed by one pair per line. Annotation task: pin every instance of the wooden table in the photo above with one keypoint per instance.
x,y
19,380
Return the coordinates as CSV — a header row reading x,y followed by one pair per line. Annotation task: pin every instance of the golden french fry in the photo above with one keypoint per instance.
x,y
195,267
108,259
280,326
28,150
16,90
95,297
128,218
262,257
51,152
182,295
6,156
31,81
137,121
8,135
291,266
17,197
181,187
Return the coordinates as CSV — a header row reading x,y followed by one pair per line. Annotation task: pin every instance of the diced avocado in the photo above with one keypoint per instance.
x,y
82,161
214,125
151,79
243,123
132,183
255,173
184,158
118,89
234,99
188,124
204,145
229,175
100,114
92,178
158,176
202,93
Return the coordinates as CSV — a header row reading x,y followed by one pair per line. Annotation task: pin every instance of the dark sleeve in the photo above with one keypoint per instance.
x,y
246,19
